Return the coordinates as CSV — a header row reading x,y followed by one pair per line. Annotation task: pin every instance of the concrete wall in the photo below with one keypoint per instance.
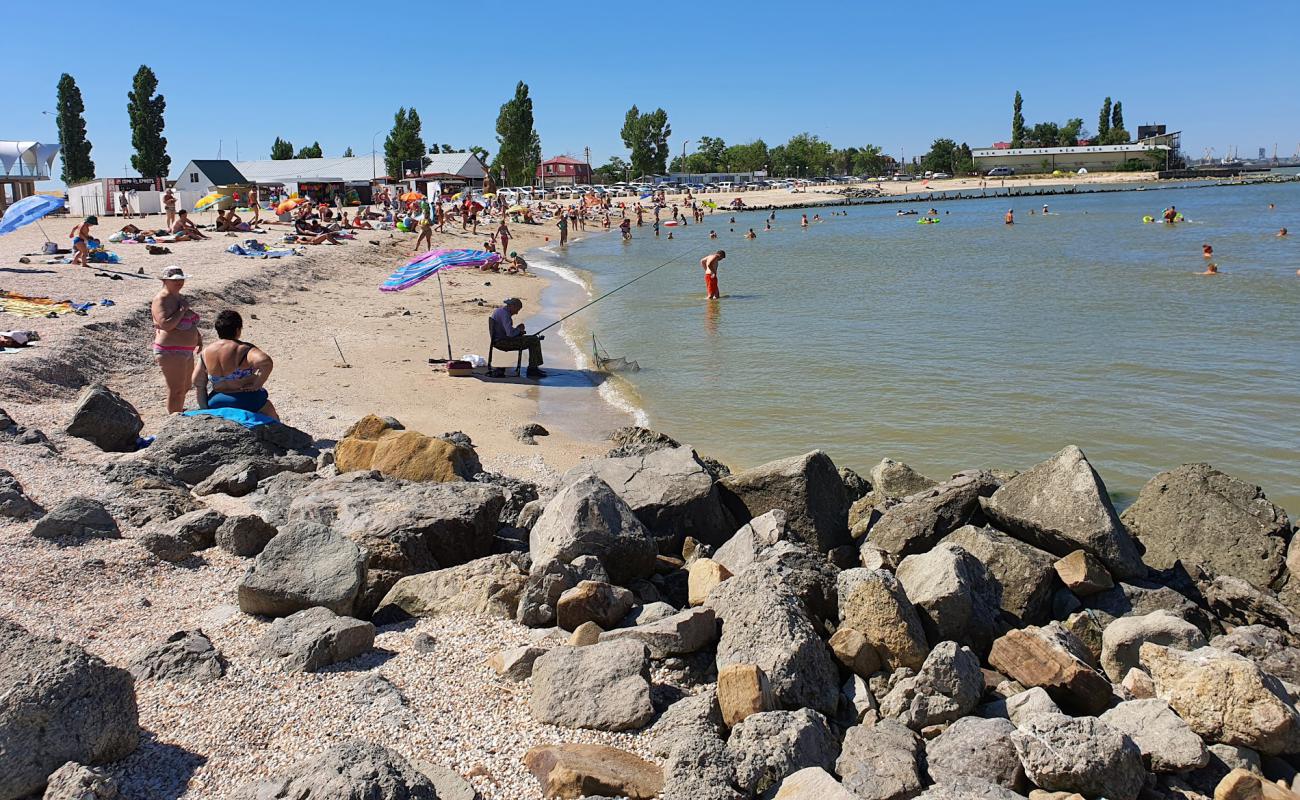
x,y
1033,162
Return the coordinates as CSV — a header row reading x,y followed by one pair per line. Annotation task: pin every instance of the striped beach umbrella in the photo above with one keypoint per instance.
x,y
426,265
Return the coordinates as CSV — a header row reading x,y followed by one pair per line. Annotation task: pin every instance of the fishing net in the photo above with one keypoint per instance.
x,y
607,363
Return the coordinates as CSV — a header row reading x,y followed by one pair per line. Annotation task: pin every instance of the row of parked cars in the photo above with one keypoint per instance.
x,y
519,194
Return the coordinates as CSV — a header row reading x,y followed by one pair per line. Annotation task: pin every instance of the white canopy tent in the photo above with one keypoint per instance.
x,y
27,159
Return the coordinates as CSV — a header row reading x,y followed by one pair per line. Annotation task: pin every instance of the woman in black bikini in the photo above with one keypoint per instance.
x,y
231,373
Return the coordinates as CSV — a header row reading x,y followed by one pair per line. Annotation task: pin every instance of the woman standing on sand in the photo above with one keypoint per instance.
x,y
176,337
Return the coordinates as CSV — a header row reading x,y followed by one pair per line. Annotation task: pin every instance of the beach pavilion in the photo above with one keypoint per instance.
x,y
22,165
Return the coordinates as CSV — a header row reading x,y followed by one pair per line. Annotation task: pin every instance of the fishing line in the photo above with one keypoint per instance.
x,y
624,286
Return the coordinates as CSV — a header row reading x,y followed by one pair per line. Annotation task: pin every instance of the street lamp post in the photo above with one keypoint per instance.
x,y
684,143
374,174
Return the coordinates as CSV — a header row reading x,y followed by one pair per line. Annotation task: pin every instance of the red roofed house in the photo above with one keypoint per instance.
x,y
564,171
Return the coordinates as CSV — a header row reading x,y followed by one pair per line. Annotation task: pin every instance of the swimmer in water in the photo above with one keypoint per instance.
x,y
1044,208
1271,206
751,234
1210,269
1207,251
1010,219
767,226
817,218
803,223
713,234
1282,233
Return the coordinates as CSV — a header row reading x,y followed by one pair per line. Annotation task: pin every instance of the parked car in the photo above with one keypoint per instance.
x,y
1000,172
940,176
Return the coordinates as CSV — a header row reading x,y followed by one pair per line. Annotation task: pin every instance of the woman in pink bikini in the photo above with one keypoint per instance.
x,y
176,337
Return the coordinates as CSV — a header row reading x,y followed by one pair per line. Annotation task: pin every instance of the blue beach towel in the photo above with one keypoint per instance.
x,y
248,419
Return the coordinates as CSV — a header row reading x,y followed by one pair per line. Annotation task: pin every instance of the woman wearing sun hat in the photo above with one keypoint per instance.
x,y
176,336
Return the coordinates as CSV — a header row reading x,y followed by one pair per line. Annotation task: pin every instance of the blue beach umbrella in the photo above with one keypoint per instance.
x,y
29,210
427,265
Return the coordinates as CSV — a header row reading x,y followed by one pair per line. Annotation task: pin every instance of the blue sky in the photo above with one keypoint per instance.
x,y
894,75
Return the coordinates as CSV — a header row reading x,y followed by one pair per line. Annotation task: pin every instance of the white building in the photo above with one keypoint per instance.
x,y
1095,158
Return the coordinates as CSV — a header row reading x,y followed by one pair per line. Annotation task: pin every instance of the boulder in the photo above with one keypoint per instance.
x,y
976,748
874,602
74,781
1021,573
1122,639
306,565
1083,574
856,700
1224,758
890,481
954,596
195,447
1138,597
541,592
76,520
182,537
1199,515
1088,626
703,576
680,634
14,502
1224,697
881,761
764,623
1241,784
183,656
516,663
1276,652
274,495
146,494
947,687
686,722
808,488
670,491
58,704
242,477
759,533
851,648
919,521
812,783
1166,742
489,586
1061,505
580,770
314,638
1024,704
586,517
1236,602
1138,684
743,689
372,445
588,633
1051,658
593,601
1079,754
604,686
245,535
648,613
809,575
700,770
767,747
976,789
106,419
351,769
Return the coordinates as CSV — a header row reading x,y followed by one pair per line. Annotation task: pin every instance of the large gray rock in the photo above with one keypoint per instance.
x,y
768,746
306,565
961,788
315,638
77,519
976,748
183,656
184,536
1223,759
604,686
812,783
881,761
541,593
195,447
760,533
890,482
74,781
873,601
14,502
1022,574
1061,505
808,488
1079,754
1199,515
1138,597
1238,602
764,623
490,586
671,492
701,769
809,575
688,720
593,601
919,521
954,596
684,632
587,518
352,770
405,527
58,704
1276,652
1166,742
245,535
106,419
1123,638
948,686
242,477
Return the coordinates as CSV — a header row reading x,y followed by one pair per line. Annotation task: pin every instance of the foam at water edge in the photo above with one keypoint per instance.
x,y
564,272
609,390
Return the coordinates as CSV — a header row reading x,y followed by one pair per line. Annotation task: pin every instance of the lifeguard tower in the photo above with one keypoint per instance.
x,y
22,164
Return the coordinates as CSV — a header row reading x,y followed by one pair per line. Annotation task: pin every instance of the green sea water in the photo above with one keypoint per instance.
x,y
971,343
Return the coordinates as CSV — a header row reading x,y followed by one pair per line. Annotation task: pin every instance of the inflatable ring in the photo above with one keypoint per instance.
x,y
1148,218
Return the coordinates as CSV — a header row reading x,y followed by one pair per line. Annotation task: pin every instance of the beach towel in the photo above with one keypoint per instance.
x,y
246,252
24,306
248,419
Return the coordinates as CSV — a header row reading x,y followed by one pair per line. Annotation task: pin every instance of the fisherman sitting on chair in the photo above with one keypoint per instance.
x,y
511,337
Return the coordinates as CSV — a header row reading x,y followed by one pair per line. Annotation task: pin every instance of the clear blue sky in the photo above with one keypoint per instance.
x,y
895,75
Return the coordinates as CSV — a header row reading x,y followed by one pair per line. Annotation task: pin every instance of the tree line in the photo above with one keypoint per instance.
x,y
144,108
1110,128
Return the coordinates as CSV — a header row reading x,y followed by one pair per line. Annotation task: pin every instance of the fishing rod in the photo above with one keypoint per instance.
x,y
624,286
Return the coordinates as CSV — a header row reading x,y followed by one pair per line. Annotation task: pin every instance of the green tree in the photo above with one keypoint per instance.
x,y
966,161
749,157
1103,122
1071,132
943,157
1045,134
1017,122
74,147
803,156
612,171
348,152
519,148
1117,116
481,152
403,142
145,107
870,160
281,149
313,150
646,136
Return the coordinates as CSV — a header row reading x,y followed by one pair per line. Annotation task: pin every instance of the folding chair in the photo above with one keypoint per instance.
x,y
495,332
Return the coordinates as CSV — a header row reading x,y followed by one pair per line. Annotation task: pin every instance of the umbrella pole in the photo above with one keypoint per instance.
x,y
443,302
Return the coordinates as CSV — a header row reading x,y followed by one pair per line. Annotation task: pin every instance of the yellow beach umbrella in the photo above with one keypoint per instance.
x,y
207,200
516,209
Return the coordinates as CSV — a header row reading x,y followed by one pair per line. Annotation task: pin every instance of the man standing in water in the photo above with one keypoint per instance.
x,y
710,265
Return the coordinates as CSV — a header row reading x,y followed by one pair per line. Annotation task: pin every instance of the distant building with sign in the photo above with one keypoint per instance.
x,y
1094,158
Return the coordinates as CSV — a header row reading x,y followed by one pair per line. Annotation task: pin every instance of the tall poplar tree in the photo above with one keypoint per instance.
x,y
1117,122
519,148
404,142
1103,122
74,147
1017,123
145,108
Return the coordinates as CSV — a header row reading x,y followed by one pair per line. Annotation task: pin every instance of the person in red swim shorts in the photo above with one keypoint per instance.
x,y
710,265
